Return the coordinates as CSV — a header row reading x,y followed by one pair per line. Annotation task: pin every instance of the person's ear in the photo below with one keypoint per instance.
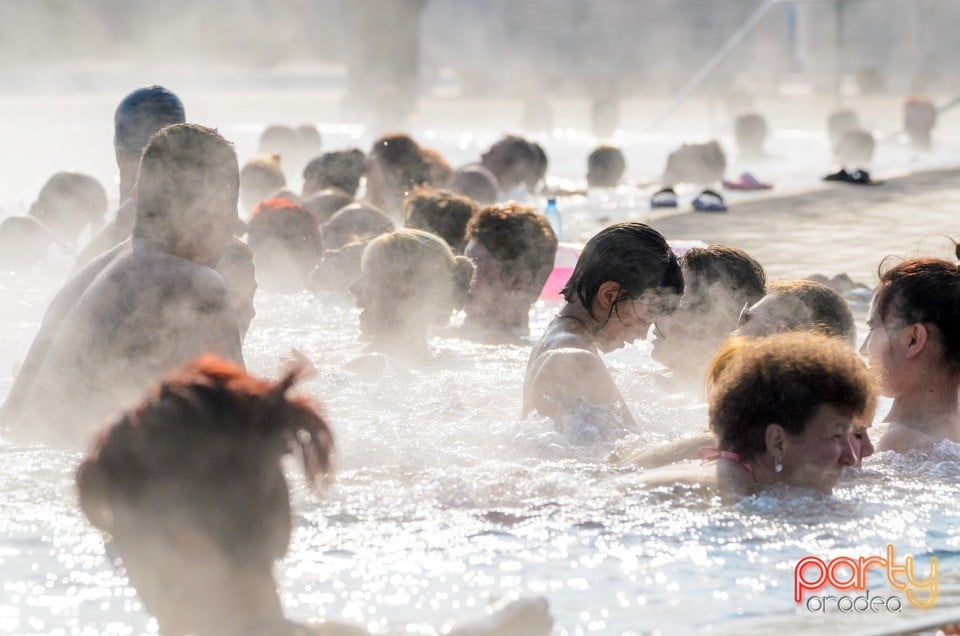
x,y
775,438
919,335
607,296
520,281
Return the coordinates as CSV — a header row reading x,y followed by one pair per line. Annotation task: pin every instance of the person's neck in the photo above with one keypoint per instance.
x,y
763,473
128,177
580,320
245,603
930,405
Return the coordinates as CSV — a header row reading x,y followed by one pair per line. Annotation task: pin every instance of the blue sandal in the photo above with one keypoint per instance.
x,y
665,198
709,201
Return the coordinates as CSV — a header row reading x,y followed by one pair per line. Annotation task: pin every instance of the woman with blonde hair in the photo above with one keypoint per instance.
x,y
410,281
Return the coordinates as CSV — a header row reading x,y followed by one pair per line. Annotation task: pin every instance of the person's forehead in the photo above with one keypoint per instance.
x,y
477,250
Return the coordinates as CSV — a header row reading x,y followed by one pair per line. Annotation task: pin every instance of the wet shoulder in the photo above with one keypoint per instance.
x,y
902,438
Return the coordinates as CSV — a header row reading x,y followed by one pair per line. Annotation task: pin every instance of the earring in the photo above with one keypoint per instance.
x,y
777,466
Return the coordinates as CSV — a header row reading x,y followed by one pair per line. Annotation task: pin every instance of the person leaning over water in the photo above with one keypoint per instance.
x,y
798,305
191,489
914,347
783,409
626,277
148,305
718,281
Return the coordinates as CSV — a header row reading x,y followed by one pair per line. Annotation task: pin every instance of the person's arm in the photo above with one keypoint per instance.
x,y
59,307
902,438
565,378
645,456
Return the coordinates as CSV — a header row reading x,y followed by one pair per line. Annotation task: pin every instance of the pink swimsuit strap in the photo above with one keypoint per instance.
x,y
712,453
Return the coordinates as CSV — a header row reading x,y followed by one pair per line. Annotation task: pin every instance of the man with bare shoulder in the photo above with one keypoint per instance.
x,y
147,306
627,276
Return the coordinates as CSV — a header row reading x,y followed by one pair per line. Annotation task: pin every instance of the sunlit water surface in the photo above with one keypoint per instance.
x,y
444,500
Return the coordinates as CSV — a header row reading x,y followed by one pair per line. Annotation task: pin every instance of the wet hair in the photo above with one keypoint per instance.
x,y
783,380
325,203
181,167
806,305
442,212
401,153
355,222
283,234
513,155
720,279
339,169
923,290
424,262
70,200
142,113
205,448
476,182
605,166
635,256
539,168
260,178
520,239
750,131
438,169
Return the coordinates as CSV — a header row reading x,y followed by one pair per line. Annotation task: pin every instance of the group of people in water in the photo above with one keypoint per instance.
x,y
188,484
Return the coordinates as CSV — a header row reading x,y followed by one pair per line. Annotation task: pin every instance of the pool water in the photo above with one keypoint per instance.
x,y
445,500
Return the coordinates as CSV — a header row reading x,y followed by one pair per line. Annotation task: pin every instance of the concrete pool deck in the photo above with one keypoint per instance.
x,y
836,228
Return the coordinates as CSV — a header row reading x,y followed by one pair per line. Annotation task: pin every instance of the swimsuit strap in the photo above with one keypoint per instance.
x,y
712,453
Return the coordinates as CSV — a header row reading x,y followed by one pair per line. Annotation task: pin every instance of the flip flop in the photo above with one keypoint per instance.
x,y
709,201
665,198
746,182
853,177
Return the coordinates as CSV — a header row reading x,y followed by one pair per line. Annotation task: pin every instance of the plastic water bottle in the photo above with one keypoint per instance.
x,y
554,218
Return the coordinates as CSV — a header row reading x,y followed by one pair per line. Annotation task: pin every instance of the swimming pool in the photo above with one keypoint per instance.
x,y
445,500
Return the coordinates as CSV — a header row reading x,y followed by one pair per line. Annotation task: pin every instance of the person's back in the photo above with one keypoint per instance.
x,y
122,334
148,305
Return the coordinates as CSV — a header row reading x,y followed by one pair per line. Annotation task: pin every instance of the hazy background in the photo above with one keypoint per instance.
x,y
486,47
